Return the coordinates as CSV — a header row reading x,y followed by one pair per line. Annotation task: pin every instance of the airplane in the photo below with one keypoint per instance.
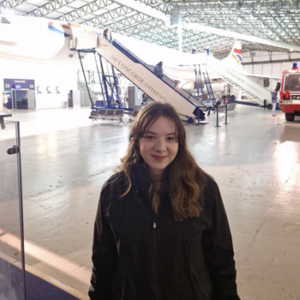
x,y
46,40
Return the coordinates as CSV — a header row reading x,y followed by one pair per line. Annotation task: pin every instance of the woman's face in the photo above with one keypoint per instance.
x,y
159,146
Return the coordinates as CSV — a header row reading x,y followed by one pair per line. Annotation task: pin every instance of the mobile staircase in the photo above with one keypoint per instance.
x,y
142,75
255,91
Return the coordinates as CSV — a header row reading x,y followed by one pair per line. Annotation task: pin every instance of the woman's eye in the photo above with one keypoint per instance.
x,y
149,137
170,138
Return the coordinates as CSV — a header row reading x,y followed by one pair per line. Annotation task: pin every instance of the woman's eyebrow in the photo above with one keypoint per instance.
x,y
151,132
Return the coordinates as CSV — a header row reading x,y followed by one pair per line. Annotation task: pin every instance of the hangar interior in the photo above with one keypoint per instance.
x,y
66,157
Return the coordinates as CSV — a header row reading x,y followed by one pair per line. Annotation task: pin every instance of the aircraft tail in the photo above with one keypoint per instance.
x,y
235,56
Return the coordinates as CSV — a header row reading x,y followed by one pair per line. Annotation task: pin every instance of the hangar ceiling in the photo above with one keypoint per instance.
x,y
149,20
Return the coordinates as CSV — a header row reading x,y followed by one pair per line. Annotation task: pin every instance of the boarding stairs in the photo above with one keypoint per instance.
x,y
242,82
166,83
245,91
142,75
250,94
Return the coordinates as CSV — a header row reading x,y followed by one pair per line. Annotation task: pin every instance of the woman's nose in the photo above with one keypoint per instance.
x,y
160,145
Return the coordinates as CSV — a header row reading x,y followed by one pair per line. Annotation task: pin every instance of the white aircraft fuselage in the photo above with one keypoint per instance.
x,y
46,40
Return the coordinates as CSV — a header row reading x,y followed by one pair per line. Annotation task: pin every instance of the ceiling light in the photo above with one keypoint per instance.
x,y
292,50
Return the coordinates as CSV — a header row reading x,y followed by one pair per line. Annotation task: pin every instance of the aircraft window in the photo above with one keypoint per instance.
x,y
4,21
292,82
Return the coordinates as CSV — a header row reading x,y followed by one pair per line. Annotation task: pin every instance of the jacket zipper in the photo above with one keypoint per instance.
x,y
154,223
155,281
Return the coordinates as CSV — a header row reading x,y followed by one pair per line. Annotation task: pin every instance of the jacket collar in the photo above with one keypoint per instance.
x,y
141,179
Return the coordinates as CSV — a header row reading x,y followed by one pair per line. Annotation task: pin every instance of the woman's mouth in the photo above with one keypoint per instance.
x,y
158,157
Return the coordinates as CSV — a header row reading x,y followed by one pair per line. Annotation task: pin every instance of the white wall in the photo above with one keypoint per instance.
x,y
44,75
263,56
270,69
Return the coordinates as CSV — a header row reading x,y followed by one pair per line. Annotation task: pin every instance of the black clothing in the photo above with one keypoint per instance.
x,y
140,255
158,71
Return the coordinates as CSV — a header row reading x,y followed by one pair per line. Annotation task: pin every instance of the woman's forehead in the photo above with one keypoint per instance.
x,y
162,124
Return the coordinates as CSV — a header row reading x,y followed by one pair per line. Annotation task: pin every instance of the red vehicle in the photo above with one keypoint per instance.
x,y
290,93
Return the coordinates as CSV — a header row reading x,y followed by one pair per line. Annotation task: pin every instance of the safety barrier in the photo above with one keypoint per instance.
x,y
108,114
221,109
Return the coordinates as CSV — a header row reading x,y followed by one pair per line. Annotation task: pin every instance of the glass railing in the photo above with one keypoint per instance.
x,y
12,273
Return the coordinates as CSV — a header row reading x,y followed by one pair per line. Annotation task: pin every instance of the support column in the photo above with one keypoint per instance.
x,y
176,21
179,33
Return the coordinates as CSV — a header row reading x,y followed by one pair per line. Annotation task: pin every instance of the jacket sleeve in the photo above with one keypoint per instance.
x,y
218,250
104,257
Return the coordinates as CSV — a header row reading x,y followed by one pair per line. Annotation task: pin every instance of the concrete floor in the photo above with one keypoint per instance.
x,y
255,160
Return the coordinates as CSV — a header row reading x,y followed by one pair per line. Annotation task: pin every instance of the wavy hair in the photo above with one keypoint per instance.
x,y
187,180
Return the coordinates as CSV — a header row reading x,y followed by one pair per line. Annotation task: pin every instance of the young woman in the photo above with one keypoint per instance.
x,y
161,231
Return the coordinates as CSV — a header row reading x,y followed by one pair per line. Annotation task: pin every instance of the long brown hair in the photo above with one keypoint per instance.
x,y
187,179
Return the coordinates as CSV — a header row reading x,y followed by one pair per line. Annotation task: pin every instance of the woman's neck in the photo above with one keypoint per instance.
x,y
156,175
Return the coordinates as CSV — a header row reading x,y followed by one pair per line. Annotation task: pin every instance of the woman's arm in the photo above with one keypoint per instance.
x,y
105,256
218,250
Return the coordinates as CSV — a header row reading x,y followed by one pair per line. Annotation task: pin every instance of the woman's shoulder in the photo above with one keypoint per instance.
x,y
114,183
211,188
111,190
210,181
114,186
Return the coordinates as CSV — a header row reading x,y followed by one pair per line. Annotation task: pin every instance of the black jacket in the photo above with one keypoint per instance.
x,y
138,255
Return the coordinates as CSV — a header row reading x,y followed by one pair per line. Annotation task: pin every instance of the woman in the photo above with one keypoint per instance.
x,y
161,231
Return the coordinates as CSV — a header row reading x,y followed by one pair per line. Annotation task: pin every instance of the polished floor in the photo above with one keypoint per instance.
x,y
255,160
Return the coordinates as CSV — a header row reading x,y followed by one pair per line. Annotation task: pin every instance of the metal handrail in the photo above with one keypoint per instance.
x,y
165,78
